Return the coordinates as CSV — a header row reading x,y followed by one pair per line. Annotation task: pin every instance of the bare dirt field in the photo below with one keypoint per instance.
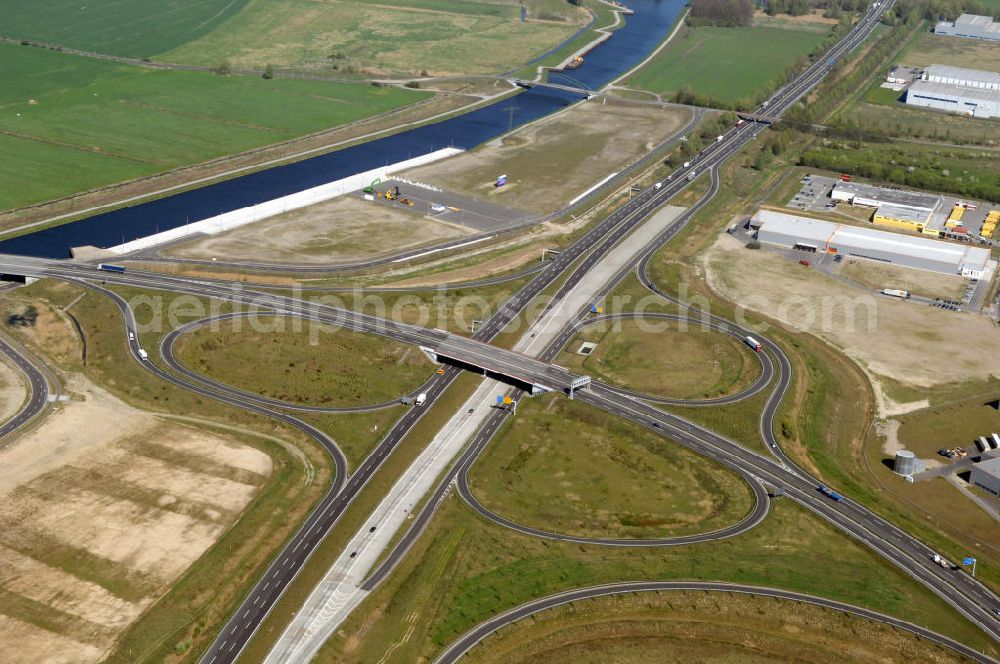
x,y
550,162
899,340
103,507
340,229
918,282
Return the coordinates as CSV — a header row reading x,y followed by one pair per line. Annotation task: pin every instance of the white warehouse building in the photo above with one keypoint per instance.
x,y
986,475
972,26
957,90
961,76
813,235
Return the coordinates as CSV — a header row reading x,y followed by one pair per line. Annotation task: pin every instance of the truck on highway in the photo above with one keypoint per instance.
x,y
143,354
692,175
718,139
108,267
753,343
686,164
893,292
940,560
830,493
421,399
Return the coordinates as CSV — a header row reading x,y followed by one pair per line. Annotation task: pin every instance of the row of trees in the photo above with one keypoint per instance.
x,y
920,170
725,13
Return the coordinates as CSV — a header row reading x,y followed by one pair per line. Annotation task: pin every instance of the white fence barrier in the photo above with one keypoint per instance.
x,y
324,192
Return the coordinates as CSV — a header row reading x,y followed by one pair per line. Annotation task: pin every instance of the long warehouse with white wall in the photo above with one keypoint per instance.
x,y
813,235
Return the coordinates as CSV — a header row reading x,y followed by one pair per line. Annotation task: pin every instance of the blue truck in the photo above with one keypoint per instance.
x,y
833,495
108,267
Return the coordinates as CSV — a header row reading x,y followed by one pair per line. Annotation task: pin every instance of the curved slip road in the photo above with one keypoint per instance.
x,y
470,639
38,381
965,594
169,342
762,381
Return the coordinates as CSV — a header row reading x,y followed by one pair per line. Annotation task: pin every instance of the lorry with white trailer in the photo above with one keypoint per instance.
x,y
421,399
143,354
982,444
753,343
995,440
892,292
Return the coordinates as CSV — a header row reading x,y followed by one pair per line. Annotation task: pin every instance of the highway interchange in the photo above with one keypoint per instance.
x,y
968,596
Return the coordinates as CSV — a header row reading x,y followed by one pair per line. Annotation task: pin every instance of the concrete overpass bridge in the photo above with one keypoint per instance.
x,y
527,373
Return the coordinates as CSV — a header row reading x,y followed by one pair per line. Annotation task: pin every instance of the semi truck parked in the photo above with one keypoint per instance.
x,y
753,343
995,440
108,267
982,444
892,292
421,398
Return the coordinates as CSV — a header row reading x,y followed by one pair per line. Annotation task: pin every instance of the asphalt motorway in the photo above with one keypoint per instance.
x,y
39,387
255,607
469,640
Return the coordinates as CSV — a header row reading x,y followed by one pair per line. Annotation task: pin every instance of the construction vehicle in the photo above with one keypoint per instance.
x,y
575,62
373,187
405,201
803,261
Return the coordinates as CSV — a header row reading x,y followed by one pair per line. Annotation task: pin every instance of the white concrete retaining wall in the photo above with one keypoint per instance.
x,y
324,192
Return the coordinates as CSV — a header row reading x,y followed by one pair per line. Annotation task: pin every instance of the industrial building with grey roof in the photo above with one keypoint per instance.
x,y
957,90
972,26
813,235
869,195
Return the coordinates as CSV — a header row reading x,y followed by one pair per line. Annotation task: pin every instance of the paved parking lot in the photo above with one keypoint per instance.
x,y
450,207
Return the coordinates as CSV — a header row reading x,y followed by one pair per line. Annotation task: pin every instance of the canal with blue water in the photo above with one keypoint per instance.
x,y
628,46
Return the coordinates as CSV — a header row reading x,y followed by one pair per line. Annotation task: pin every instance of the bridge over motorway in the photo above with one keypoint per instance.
x,y
507,366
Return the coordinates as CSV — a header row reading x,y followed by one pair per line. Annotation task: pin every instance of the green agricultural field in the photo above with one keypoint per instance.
x,y
566,467
289,359
132,28
69,123
405,37
726,64
700,363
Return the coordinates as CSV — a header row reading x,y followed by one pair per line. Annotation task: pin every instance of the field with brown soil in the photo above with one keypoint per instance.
x,y
103,508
